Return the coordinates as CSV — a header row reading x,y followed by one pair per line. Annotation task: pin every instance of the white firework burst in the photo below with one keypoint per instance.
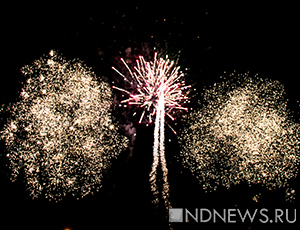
x,y
243,132
60,134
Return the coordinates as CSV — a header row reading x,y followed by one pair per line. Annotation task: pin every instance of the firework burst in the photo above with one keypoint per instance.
x,y
244,132
159,91
60,135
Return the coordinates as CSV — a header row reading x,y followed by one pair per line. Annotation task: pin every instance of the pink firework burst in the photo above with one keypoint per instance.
x,y
154,80
159,90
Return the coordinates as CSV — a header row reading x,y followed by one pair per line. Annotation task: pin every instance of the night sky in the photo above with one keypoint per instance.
x,y
209,40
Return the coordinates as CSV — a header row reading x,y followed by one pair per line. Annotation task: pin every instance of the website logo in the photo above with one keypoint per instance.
x,y
204,215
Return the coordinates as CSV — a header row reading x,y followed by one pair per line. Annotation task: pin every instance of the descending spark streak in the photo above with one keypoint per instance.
x,y
155,158
159,92
162,150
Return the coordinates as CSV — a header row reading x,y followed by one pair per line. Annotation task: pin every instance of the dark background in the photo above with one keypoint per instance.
x,y
211,39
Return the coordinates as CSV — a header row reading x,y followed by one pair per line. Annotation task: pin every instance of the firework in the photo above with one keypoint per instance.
x,y
60,134
243,132
159,90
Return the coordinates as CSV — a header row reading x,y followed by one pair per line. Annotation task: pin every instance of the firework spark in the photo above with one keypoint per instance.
x,y
60,134
244,132
160,91
290,194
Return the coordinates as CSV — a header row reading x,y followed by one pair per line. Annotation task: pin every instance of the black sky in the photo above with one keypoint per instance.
x,y
211,38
